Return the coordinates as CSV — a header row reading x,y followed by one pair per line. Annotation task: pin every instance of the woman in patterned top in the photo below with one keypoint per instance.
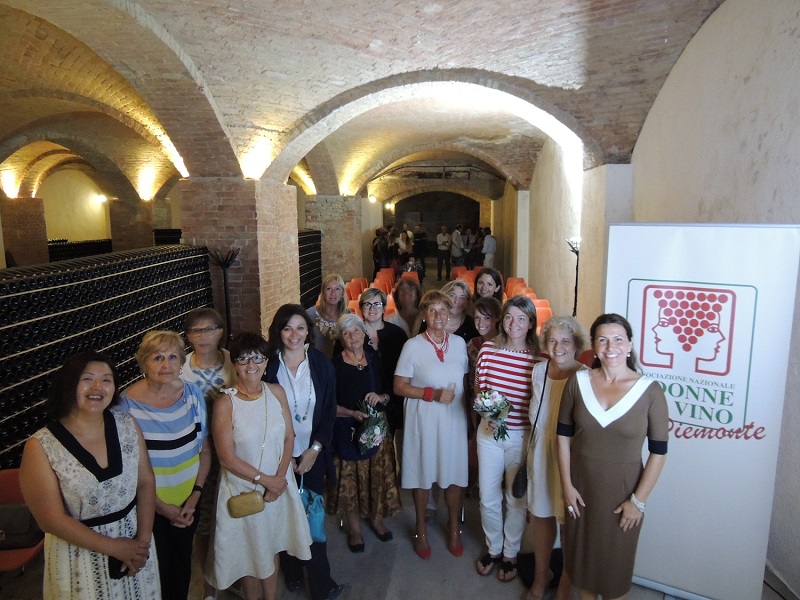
x,y
209,367
172,416
88,483
331,305
505,366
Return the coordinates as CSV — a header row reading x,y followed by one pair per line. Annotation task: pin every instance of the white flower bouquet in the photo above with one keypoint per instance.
x,y
494,407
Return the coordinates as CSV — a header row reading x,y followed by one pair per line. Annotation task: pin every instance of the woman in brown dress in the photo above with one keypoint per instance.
x,y
604,417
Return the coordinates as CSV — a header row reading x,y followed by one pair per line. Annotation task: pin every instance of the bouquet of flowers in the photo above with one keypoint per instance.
x,y
494,407
372,431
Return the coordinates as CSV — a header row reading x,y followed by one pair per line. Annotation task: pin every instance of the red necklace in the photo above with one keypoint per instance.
x,y
441,349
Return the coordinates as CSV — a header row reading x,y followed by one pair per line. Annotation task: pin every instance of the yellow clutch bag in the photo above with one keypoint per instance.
x,y
246,503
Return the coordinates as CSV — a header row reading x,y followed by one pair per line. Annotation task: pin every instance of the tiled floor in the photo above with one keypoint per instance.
x,y
385,571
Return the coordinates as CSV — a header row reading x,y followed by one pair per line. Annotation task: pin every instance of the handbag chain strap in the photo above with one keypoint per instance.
x,y
263,444
539,409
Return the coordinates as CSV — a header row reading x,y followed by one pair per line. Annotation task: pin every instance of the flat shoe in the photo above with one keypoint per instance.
x,y
386,536
505,569
335,592
485,564
356,548
293,586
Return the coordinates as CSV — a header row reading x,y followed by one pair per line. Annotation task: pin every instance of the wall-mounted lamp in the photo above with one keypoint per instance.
x,y
575,247
372,199
100,198
389,206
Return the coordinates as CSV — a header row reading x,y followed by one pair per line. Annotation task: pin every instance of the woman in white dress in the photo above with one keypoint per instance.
x,y
87,480
564,339
254,438
430,375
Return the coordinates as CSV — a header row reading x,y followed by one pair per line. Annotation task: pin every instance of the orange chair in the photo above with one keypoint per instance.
x,y
390,305
382,284
389,271
456,271
353,306
361,281
516,288
467,276
531,295
542,316
541,303
11,560
410,275
352,289
512,281
587,357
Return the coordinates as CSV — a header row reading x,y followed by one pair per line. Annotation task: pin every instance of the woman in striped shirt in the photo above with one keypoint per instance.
x,y
505,365
172,417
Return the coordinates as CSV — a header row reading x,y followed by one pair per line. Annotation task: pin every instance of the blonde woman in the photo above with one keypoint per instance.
x,y
325,314
563,338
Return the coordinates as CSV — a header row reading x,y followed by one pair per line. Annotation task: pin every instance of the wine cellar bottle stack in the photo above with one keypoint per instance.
x,y
107,303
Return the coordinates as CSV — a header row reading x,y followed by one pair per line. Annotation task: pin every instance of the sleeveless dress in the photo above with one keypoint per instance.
x,y
247,546
544,483
605,466
91,492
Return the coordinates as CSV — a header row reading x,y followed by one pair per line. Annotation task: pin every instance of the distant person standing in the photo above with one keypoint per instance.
x,y
457,247
443,242
489,248
420,243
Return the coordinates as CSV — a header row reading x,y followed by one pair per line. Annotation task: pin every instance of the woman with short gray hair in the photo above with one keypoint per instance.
x,y
366,484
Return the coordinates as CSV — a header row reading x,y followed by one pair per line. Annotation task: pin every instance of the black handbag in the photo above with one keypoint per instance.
x,y
519,487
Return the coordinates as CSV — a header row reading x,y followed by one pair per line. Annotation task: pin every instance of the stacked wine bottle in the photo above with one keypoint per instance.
x,y
50,312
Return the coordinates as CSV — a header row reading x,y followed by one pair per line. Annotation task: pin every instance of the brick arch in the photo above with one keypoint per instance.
x,y
329,116
365,176
41,166
101,140
455,189
124,36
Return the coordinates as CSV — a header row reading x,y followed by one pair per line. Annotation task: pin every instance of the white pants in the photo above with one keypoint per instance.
x,y
497,458
488,260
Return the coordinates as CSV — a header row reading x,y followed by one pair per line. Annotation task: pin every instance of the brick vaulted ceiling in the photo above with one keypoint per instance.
x,y
207,82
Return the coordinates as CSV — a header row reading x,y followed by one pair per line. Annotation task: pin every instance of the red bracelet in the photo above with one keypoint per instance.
x,y
427,395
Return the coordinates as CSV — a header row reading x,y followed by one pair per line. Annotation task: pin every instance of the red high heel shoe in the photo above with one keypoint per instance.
x,y
424,552
454,545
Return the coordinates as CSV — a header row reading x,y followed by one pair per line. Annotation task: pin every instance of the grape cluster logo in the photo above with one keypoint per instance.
x,y
693,327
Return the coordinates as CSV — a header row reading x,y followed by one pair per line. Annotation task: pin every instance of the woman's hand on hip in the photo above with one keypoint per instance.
x,y
630,516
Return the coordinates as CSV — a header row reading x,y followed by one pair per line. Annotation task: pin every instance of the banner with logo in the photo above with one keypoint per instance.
x,y
711,308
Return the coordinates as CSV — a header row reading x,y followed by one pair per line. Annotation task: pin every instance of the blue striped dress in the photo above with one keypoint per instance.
x,y
174,438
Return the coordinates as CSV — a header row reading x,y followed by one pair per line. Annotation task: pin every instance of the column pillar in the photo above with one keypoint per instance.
x,y
339,219
523,234
24,230
607,198
258,217
131,223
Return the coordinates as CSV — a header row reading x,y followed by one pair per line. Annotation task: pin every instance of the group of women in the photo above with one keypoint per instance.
x,y
287,413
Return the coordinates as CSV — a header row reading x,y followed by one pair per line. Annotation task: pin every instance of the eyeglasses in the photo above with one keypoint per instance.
x,y
256,358
202,330
372,304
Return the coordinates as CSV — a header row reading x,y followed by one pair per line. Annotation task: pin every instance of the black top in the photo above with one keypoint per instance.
x,y
86,458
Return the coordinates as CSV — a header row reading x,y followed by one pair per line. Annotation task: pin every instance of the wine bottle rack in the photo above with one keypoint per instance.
x,y
107,303
309,242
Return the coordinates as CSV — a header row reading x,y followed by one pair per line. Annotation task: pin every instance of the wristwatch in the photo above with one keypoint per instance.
x,y
256,478
316,446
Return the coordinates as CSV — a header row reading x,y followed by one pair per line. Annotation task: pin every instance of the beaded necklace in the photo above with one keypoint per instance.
x,y
440,349
290,379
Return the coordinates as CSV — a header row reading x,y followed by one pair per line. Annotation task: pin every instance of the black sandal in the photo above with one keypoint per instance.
x,y
487,561
506,566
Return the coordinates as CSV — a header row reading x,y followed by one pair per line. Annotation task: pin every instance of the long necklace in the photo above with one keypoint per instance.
x,y
358,364
441,349
290,379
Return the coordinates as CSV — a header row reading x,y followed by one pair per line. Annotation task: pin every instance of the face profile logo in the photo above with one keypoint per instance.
x,y
688,328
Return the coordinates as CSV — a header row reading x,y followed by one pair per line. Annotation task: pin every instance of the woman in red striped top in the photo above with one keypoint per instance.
x,y
505,365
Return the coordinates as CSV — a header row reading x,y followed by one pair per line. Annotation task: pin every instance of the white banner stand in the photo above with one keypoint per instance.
x,y
711,308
